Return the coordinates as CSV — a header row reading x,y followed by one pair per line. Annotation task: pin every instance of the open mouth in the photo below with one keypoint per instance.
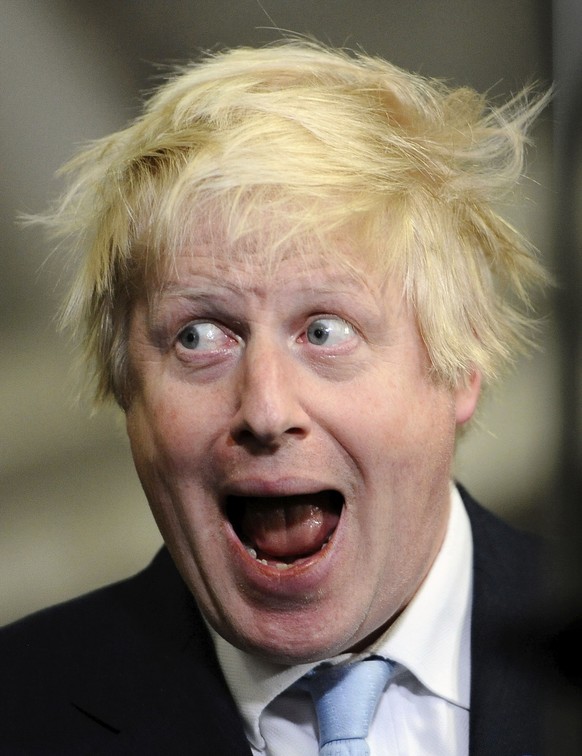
x,y
282,531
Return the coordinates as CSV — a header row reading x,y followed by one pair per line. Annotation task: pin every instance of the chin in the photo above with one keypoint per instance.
x,y
295,637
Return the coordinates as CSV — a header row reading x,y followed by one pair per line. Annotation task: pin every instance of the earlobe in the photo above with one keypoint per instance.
x,y
467,396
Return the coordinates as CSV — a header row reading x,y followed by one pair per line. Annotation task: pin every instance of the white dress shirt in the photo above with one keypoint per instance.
x,y
424,710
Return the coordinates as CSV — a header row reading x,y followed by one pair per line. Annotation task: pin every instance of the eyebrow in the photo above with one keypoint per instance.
x,y
162,303
195,293
343,284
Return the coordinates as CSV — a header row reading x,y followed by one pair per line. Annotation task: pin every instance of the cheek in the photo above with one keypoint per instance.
x,y
163,445
174,433
397,422
160,431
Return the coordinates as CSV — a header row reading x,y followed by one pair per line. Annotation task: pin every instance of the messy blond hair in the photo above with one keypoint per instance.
x,y
322,140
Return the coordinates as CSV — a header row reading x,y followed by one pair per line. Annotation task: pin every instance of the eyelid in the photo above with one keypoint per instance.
x,y
332,316
196,321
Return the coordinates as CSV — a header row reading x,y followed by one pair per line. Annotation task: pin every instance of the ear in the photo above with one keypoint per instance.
x,y
467,396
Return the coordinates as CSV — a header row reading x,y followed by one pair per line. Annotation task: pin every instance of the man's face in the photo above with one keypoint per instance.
x,y
293,449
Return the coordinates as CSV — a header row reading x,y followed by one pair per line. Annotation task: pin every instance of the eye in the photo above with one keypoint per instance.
x,y
204,337
329,332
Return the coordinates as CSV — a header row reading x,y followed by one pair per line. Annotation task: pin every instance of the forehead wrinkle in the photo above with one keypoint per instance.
x,y
320,272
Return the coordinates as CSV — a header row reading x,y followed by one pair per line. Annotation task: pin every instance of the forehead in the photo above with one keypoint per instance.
x,y
291,271
291,278
268,251
268,222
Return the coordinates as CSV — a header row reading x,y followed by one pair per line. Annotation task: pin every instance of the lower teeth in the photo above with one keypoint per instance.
x,y
279,565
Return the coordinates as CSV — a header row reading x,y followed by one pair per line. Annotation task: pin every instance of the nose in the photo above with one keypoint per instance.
x,y
269,410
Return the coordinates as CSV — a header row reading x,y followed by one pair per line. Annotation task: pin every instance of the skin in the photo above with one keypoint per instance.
x,y
257,408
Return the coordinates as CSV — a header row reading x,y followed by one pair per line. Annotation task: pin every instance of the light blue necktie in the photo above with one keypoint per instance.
x,y
345,700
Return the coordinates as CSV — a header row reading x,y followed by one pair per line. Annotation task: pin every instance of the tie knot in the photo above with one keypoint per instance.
x,y
345,699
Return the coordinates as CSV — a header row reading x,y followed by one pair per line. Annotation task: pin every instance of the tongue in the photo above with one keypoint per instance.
x,y
289,526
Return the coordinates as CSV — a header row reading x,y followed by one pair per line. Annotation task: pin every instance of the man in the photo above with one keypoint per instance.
x,y
294,285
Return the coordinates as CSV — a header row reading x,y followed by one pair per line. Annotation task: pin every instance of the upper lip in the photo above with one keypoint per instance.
x,y
273,488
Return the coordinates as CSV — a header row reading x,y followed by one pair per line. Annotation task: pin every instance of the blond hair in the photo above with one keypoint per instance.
x,y
319,140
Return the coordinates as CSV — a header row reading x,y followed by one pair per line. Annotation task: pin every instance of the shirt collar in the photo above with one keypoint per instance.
x,y
431,638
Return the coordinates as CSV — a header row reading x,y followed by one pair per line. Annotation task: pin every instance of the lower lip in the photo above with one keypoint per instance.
x,y
301,577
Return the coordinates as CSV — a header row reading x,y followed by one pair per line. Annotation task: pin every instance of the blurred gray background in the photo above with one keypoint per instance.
x,y
72,513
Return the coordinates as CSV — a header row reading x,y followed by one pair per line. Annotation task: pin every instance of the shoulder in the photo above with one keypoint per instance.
x,y
128,666
137,612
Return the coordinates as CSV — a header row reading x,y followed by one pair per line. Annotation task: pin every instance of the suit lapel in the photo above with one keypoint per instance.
x,y
161,690
505,669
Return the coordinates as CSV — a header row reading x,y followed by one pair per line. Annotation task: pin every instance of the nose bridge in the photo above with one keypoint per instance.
x,y
268,403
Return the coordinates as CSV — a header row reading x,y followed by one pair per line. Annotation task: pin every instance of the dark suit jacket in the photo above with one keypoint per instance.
x,y
130,669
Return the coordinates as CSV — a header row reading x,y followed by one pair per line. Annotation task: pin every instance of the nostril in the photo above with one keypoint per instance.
x,y
296,431
255,444
267,441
